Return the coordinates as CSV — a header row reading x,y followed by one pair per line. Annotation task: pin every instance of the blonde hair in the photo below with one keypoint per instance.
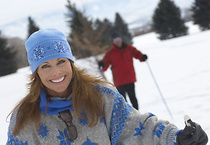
x,y
88,101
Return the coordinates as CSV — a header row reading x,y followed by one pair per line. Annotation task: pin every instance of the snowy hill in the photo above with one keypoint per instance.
x,y
181,67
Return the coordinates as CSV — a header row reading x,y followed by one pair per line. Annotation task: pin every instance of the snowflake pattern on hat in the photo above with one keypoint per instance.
x,y
38,53
40,50
59,46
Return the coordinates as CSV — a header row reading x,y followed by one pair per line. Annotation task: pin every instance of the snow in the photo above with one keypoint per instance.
x,y
181,67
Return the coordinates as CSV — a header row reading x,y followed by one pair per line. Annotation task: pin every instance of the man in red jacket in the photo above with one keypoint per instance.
x,y
120,57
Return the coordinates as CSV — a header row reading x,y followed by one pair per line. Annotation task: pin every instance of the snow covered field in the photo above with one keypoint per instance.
x,y
181,67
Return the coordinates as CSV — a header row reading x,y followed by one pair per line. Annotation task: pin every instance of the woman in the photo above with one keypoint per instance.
x,y
66,106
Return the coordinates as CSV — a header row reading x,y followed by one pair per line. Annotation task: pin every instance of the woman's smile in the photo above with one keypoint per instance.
x,y
59,80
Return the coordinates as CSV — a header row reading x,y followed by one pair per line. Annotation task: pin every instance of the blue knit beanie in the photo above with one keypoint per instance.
x,y
47,44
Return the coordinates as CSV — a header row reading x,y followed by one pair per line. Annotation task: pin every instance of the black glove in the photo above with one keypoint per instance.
x,y
144,57
100,64
192,135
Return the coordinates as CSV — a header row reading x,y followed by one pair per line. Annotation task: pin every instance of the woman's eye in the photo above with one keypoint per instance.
x,y
45,66
61,61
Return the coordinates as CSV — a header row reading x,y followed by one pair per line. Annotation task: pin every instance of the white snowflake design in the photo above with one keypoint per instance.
x,y
38,53
59,46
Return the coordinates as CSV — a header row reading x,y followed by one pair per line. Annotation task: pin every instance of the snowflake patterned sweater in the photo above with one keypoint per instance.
x,y
123,125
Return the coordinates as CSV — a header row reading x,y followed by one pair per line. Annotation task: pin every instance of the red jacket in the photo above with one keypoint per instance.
x,y
121,62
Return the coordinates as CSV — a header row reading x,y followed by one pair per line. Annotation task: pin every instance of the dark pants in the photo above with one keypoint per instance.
x,y
130,90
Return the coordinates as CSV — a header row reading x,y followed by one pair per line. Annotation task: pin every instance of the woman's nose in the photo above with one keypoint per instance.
x,y
56,71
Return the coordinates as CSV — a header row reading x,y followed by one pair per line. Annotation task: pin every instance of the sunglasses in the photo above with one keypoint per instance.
x,y
71,131
117,38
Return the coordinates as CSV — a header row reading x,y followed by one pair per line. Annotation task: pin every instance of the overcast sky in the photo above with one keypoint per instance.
x,y
50,13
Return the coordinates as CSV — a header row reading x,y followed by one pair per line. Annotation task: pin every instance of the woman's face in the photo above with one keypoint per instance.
x,y
56,75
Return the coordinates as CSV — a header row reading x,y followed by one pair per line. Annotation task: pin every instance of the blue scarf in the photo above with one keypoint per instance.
x,y
56,104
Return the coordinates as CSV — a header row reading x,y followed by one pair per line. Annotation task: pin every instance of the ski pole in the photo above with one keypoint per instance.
x,y
159,89
101,70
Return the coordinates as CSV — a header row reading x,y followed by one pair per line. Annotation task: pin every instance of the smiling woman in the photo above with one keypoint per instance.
x,y
56,75
67,106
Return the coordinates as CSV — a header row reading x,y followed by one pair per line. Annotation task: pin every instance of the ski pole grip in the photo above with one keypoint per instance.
x,y
187,120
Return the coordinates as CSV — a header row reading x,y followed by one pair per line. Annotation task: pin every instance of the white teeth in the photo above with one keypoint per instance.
x,y
59,80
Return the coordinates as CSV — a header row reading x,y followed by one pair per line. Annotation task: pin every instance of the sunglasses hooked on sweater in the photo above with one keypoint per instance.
x,y
71,131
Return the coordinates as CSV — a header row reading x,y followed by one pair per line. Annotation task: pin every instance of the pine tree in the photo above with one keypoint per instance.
x,y
167,20
86,37
201,13
8,63
106,27
121,26
32,27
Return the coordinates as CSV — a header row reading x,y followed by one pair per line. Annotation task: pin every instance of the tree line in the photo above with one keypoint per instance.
x,y
90,37
167,21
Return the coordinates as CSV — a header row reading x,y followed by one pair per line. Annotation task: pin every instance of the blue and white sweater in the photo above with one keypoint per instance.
x,y
123,125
